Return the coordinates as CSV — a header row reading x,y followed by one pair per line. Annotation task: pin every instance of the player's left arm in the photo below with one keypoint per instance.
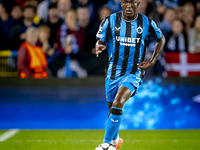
x,y
156,35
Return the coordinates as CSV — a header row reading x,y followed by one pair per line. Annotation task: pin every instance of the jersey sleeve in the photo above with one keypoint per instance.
x,y
155,32
104,32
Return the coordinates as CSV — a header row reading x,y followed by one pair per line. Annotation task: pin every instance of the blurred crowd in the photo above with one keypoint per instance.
x,y
65,30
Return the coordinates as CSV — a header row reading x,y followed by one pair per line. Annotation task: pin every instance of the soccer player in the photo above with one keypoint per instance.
x,y
124,34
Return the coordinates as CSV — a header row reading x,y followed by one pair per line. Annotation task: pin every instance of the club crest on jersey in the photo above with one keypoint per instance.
x,y
139,30
117,29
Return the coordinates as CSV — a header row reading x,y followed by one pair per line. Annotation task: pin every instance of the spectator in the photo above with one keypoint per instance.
x,y
143,7
6,22
98,66
114,5
194,37
166,24
72,68
161,9
44,34
176,41
91,6
4,15
18,30
84,22
42,10
188,15
179,12
188,9
70,26
83,15
198,7
104,11
31,60
74,35
54,22
63,7
16,12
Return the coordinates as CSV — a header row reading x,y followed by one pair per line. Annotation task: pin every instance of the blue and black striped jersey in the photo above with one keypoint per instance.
x,y
126,43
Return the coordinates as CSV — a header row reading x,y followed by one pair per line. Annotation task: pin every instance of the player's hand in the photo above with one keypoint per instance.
x,y
145,65
99,48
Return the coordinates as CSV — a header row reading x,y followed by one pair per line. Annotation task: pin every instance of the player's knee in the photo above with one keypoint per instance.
x,y
121,98
119,102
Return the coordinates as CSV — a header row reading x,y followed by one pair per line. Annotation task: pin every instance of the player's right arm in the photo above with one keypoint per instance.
x,y
100,46
103,35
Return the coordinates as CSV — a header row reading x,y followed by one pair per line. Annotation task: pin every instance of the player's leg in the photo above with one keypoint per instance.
x,y
115,118
115,139
122,96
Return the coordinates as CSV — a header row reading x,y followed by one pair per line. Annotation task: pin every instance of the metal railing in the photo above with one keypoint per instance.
x,y
8,64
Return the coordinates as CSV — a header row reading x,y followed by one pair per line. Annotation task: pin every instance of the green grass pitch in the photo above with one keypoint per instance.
x,y
89,139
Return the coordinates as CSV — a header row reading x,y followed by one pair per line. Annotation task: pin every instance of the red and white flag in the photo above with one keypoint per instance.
x,y
182,64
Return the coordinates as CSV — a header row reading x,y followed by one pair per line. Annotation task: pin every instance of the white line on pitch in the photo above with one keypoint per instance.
x,y
8,134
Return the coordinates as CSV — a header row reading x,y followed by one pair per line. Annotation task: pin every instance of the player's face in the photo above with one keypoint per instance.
x,y
129,7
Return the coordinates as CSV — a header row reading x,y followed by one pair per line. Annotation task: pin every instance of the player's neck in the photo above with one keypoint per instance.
x,y
130,18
